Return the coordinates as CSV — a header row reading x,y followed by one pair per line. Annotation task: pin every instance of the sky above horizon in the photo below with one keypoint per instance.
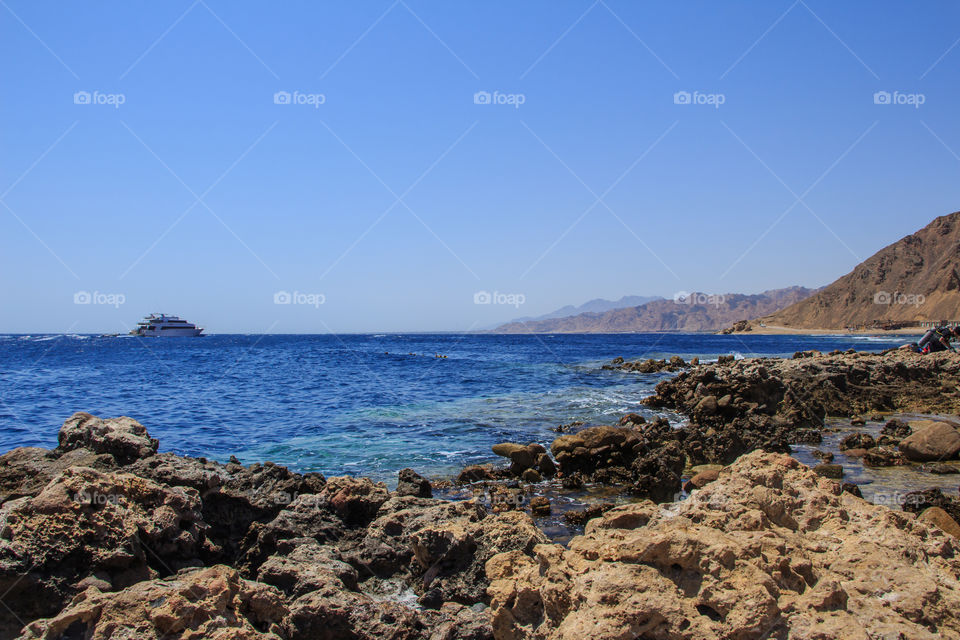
x,y
306,167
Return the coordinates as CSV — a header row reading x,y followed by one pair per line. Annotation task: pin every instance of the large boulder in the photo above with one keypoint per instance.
x,y
507,449
27,470
657,474
451,559
474,473
386,547
233,496
438,547
931,440
309,566
355,500
524,458
309,516
768,550
113,529
595,448
857,441
647,461
411,483
124,438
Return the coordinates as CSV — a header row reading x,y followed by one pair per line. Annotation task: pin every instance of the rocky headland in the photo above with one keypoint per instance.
x,y
914,280
719,534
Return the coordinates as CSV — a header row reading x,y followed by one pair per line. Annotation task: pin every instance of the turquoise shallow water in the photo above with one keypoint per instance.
x,y
880,485
357,404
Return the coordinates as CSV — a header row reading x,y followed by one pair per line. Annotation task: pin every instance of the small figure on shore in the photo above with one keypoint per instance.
x,y
934,340
938,339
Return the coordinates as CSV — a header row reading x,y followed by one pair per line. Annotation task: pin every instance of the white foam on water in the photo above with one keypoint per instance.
x,y
48,338
452,454
391,590
876,338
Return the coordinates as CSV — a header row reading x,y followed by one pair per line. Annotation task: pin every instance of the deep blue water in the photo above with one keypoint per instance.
x,y
357,404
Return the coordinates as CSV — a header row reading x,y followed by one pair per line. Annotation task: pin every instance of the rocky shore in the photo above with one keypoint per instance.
x,y
802,390
106,537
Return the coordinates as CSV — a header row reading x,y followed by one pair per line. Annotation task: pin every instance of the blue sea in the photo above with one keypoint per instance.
x,y
349,404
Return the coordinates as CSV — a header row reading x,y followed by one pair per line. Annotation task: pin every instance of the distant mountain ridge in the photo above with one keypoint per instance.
x,y
695,312
597,305
916,279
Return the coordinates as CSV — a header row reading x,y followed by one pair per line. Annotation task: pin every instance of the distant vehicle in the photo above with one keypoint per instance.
x,y
160,325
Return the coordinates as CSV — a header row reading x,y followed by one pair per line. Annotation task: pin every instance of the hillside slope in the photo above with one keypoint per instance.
x,y
697,312
916,279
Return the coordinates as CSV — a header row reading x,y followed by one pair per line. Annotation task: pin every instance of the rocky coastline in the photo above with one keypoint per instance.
x,y
106,537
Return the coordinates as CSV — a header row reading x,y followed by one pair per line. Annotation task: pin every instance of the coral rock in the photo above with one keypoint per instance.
x,y
124,438
769,550
206,603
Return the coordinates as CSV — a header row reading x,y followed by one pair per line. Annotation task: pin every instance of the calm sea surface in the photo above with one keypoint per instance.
x,y
355,404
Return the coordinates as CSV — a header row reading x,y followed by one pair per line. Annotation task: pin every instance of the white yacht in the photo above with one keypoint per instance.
x,y
164,326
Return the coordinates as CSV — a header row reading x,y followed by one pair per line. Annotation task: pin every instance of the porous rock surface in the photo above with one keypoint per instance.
x,y
207,603
767,550
104,537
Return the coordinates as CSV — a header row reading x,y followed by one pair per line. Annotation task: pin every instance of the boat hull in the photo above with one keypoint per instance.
x,y
172,333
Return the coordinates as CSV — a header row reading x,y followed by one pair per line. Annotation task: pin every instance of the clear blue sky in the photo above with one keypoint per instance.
x,y
399,197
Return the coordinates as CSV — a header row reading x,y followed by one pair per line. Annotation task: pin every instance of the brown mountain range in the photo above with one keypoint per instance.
x,y
693,312
914,280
